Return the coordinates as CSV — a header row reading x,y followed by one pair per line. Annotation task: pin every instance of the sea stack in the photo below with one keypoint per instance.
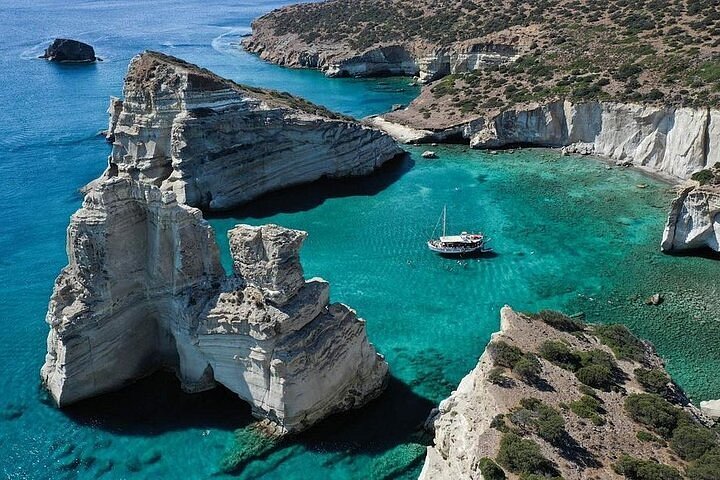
x,y
64,50
144,289
694,218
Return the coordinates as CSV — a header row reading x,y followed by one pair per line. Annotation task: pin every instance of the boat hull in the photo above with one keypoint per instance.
x,y
458,250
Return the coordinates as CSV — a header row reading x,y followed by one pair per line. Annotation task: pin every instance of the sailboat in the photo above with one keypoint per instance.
x,y
463,244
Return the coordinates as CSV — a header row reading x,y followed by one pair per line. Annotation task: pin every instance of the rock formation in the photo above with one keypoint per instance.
x,y
69,51
144,289
496,403
673,141
694,218
217,144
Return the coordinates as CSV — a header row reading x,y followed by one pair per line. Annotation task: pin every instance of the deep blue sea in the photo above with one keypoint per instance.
x,y
569,233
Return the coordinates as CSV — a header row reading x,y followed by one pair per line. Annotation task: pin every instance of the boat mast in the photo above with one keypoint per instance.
x,y
444,218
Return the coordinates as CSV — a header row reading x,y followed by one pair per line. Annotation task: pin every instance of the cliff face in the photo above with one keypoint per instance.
x,y
426,60
673,141
581,432
694,219
144,289
216,144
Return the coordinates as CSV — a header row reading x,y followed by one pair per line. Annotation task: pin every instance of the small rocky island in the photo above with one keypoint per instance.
x,y
144,289
64,50
553,397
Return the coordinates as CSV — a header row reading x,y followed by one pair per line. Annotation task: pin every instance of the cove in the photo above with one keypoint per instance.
x,y
569,234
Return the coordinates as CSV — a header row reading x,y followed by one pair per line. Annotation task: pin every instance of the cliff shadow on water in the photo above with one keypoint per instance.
x,y
389,428
156,404
301,198
390,425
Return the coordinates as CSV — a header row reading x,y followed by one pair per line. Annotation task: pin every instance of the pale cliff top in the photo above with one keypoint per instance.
x,y
152,71
555,396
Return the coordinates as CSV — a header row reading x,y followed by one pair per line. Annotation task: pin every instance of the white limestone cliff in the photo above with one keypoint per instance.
x,y
217,144
673,141
144,289
694,219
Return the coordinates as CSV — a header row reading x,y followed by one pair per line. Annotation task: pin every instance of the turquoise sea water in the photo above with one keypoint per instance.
x,y
568,233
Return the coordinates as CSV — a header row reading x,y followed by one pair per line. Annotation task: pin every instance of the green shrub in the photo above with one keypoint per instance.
x,y
621,341
637,469
491,470
541,418
653,411
558,353
588,407
597,357
691,442
504,354
496,376
653,380
522,456
596,376
528,368
703,176
644,436
706,467
560,321
498,423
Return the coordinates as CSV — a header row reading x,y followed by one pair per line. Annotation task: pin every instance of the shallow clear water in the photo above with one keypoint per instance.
x,y
568,233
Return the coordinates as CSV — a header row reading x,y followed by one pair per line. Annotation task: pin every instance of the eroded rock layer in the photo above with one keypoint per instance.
x,y
673,141
217,144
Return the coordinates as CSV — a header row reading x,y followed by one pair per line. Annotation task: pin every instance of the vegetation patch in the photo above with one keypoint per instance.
x,y
653,380
491,470
523,456
590,408
621,341
537,417
637,469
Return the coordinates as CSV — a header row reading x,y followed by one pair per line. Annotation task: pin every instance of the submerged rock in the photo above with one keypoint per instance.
x,y
70,51
429,154
144,289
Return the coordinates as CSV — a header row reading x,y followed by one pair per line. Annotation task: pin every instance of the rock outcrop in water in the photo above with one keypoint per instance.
x,y
144,288
694,218
217,144
673,141
64,50
535,416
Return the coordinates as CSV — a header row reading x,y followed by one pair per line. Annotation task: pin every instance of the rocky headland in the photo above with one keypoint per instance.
x,y
553,397
64,50
217,144
144,289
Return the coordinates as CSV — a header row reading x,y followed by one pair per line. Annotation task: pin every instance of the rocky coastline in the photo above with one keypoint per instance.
x,y
144,289
530,407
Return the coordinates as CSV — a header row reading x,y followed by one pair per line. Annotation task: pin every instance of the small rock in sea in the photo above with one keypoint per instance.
x,y
656,299
429,154
641,185
66,50
396,107
623,163
433,144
